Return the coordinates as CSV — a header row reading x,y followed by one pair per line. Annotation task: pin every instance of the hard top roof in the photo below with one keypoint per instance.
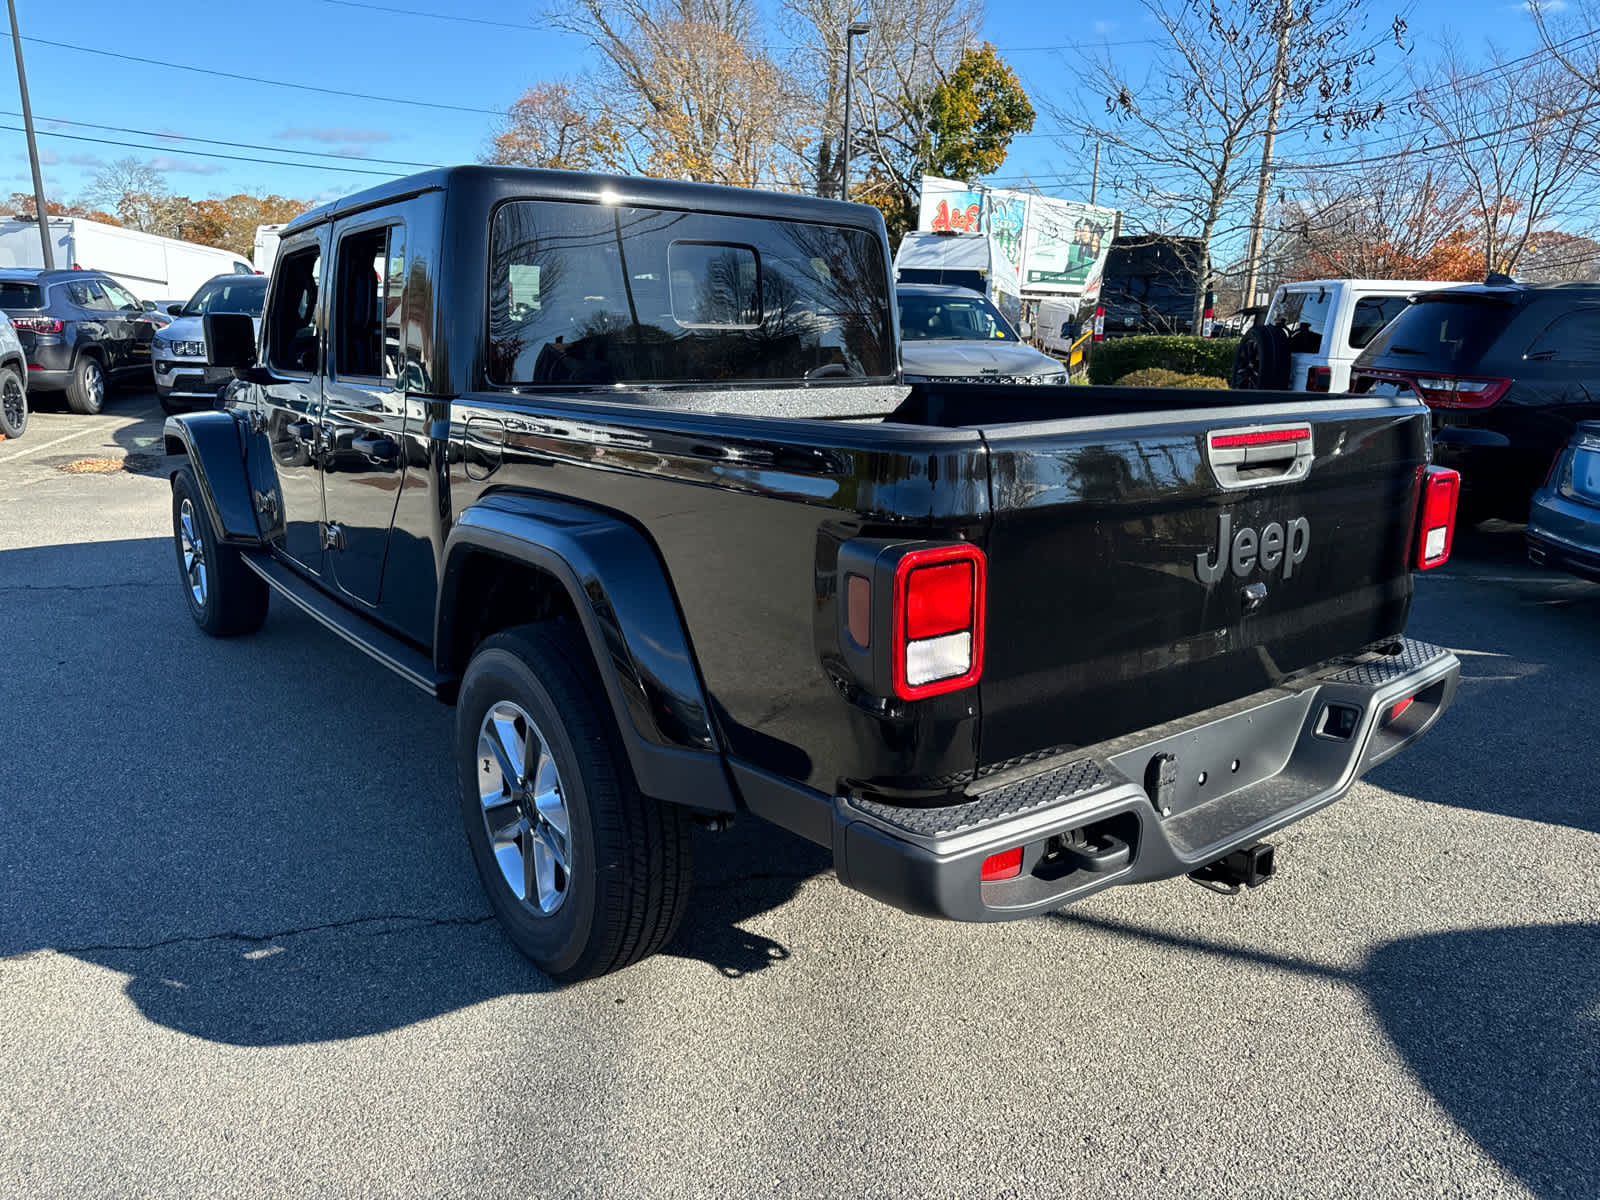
x,y
504,183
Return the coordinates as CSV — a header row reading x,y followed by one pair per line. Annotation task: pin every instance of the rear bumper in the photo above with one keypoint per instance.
x,y
1266,761
1546,549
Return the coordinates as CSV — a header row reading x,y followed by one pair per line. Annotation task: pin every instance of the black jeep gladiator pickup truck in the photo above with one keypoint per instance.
x,y
625,471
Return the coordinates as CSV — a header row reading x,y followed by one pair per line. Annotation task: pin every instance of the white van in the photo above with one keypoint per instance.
x,y
1313,331
151,267
965,260
1052,324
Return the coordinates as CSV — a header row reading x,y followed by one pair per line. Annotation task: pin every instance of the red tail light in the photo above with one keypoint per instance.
x,y
37,324
1441,489
937,643
1399,709
1005,865
1100,323
1319,379
1446,391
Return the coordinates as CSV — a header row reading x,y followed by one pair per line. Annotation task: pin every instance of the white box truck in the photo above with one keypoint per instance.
x,y
969,260
152,268
266,248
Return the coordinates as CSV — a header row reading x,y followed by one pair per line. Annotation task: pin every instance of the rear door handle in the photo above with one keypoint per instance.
x,y
304,430
377,449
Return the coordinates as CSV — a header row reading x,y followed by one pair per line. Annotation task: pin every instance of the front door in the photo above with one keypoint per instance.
x,y
364,421
291,400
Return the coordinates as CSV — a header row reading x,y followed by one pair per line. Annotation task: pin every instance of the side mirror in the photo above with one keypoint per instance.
x,y
175,310
1026,330
147,306
230,340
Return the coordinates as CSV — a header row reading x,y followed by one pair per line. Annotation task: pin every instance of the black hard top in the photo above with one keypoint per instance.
x,y
507,183
1514,292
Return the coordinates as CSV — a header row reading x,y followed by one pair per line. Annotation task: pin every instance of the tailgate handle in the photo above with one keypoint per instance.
x,y
1256,454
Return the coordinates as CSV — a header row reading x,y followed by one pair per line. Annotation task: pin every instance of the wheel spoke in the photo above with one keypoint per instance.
x,y
544,865
552,811
510,858
493,742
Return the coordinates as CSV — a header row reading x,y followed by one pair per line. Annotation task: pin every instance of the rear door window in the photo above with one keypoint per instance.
x,y
1371,314
20,295
1573,337
366,317
587,294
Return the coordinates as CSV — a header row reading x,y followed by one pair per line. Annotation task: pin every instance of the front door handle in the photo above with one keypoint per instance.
x,y
305,431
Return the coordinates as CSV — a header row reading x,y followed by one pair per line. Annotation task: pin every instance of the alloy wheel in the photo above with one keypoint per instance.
x,y
15,402
194,552
524,808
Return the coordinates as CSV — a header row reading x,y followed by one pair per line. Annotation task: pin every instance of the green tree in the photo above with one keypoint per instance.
x,y
973,115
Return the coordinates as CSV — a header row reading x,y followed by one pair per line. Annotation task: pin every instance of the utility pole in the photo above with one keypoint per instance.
x,y
33,149
1094,183
852,31
1280,71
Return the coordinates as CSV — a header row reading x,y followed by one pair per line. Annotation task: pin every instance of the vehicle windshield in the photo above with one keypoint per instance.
x,y
228,296
1443,333
965,318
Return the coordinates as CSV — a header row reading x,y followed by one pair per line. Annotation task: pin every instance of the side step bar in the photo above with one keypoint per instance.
x,y
404,660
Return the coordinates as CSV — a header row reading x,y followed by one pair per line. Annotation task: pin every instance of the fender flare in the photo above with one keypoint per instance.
x,y
618,587
214,444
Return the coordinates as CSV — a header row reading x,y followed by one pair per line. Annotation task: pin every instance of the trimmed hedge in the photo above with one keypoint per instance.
x,y
1113,359
1159,377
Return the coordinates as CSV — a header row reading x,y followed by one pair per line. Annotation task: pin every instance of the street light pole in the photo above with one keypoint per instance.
x,y
852,31
33,150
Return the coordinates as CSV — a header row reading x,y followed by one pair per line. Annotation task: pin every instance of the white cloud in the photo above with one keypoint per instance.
x,y
1548,7
86,160
182,166
1101,28
345,136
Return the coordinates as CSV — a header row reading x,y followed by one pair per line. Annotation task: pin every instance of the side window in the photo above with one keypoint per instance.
x,y
1303,316
240,268
1573,337
121,299
368,290
714,285
87,293
292,320
1371,314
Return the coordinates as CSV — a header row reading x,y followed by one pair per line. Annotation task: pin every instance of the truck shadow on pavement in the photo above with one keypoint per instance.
x,y
261,833
1502,1026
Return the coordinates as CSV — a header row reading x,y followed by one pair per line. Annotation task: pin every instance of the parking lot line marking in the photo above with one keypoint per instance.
x,y
66,437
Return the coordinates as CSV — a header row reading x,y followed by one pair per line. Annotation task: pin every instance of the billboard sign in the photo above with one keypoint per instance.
x,y
1065,250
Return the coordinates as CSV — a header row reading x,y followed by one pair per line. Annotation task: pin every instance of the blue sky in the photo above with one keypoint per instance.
x,y
470,67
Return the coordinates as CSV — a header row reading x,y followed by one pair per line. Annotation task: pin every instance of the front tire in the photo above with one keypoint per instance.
x,y
586,874
13,403
86,390
225,597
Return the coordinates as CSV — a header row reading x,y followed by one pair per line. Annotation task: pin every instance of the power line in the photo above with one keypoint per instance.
x,y
271,162
302,87
184,137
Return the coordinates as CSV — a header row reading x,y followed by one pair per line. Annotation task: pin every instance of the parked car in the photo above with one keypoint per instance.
x,y
1149,285
1313,331
13,382
644,497
966,260
1509,371
178,352
953,333
1564,519
81,331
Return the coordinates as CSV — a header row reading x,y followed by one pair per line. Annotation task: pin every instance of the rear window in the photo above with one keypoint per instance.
x,y
20,295
1304,317
965,279
1371,314
586,294
1442,332
1573,337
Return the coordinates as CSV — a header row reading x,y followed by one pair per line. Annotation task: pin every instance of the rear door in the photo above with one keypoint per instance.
x,y
1303,314
364,415
1143,566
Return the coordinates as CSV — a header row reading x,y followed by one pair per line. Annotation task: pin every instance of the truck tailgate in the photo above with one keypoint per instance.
x,y
1148,564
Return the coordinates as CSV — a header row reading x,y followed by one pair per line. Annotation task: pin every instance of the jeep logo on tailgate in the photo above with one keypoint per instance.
x,y
1241,552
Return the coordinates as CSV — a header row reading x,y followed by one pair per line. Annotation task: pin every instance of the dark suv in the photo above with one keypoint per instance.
x,y
1508,370
81,330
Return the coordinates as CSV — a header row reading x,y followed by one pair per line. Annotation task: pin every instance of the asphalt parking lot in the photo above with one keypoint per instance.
x,y
243,951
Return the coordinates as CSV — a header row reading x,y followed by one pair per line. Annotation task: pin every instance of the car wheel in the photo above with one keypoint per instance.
x,y
225,597
86,390
585,873
13,403
1261,361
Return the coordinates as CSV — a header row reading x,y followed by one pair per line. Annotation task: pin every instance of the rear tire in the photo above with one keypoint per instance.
x,y
1261,361
586,874
86,390
13,403
225,597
